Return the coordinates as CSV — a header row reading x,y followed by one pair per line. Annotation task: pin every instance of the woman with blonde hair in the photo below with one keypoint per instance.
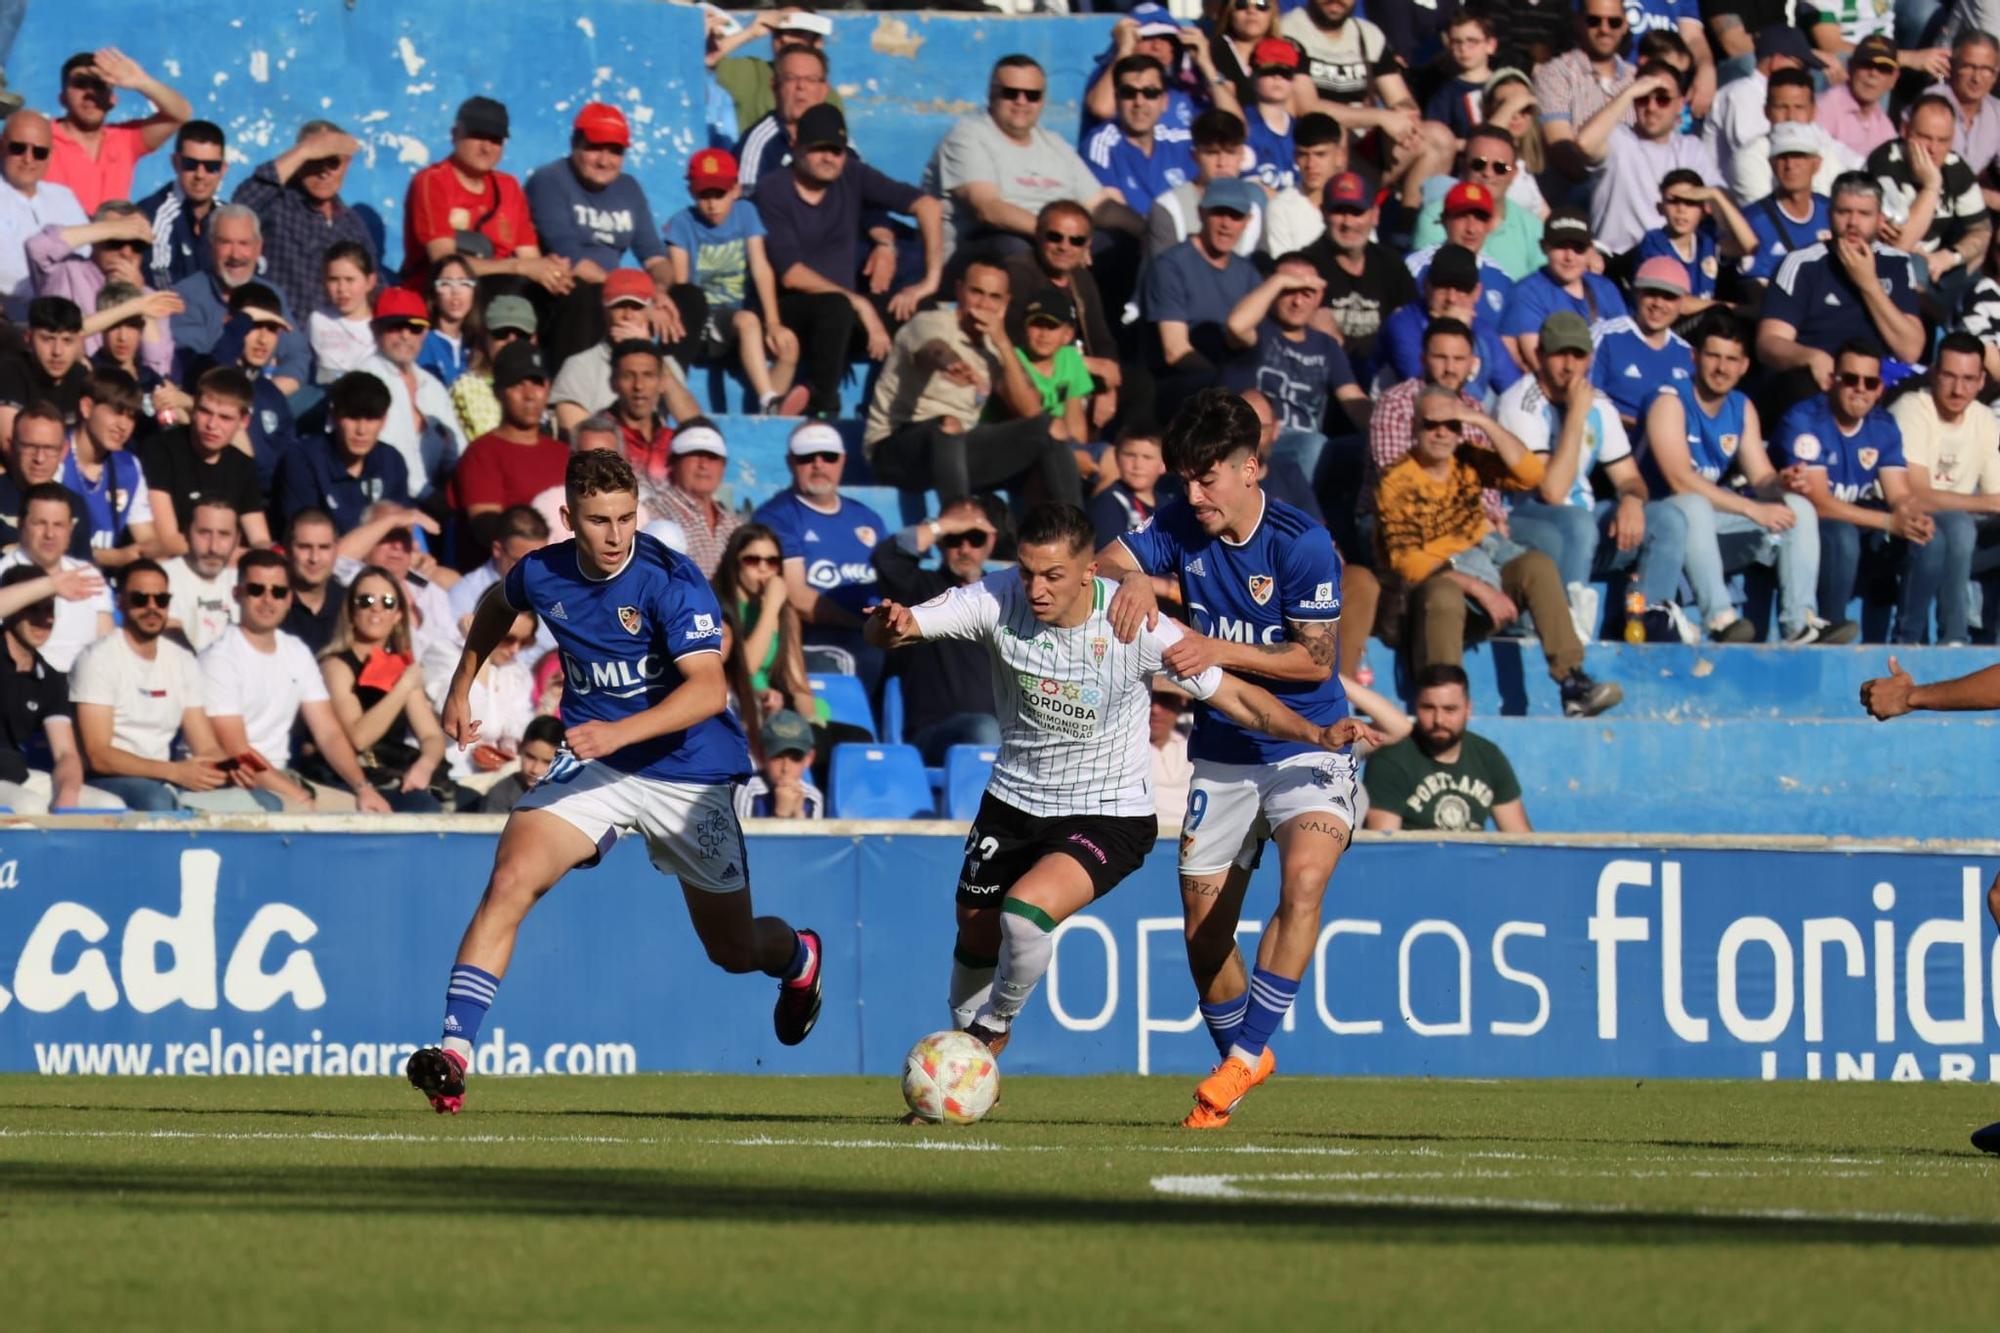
x,y
377,690
1510,104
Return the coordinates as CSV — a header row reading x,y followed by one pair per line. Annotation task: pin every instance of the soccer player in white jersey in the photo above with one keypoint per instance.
x,y
649,747
1261,583
1070,810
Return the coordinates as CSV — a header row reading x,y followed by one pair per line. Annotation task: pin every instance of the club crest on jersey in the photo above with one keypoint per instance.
x,y
1729,443
865,535
1260,588
1098,647
1867,458
628,616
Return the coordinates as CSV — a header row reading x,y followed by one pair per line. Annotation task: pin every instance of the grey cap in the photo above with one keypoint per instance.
x,y
511,312
787,733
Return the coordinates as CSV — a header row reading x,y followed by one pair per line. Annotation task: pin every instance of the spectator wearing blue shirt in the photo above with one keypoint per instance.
x,y
180,209
250,343
587,210
1851,286
1451,291
1274,64
1845,455
1301,370
1791,217
827,542
236,246
1640,354
1193,82
1190,290
782,787
1565,282
117,513
1470,43
1468,213
1688,236
1135,153
718,244
348,470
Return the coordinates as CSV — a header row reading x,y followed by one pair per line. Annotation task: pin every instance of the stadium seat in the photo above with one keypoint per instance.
x,y
966,768
880,782
892,710
846,701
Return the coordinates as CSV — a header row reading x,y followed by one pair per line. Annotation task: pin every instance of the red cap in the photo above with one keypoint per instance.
x,y
402,303
1274,53
1348,190
601,122
712,169
628,284
1468,197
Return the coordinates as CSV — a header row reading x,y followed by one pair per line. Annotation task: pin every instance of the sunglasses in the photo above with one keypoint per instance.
x,y
1849,380
277,592
1489,166
957,539
368,601
1433,423
1253,4
1072,240
139,600
455,284
830,149
760,561
517,641
1658,97
1681,201
83,83
205,166
39,151
1130,91
1612,23
1006,94
111,246
824,456
502,335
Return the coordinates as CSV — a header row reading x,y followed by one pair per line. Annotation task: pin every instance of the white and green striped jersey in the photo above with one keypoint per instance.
x,y
1073,704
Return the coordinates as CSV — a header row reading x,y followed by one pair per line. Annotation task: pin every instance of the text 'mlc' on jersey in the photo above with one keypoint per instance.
x,y
620,637
1244,592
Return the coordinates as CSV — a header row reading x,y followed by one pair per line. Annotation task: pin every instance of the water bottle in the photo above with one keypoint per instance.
x,y
1364,675
1635,614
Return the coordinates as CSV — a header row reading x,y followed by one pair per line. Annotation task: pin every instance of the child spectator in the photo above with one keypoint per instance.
x,y
1459,104
339,329
536,755
1055,367
162,402
503,699
455,323
1274,63
508,319
250,343
1688,234
783,786
718,245
1127,504
117,509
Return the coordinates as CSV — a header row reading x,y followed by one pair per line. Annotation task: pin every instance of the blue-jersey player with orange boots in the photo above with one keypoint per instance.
x,y
1261,583
649,747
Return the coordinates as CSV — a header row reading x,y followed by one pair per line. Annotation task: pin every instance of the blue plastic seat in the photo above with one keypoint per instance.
x,y
880,782
846,701
966,768
892,711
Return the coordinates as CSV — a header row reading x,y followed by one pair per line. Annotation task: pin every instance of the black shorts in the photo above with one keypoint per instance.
x,y
1005,843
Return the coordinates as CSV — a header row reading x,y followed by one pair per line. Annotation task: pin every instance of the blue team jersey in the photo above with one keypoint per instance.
x,y
1778,235
1631,371
1701,273
1712,440
1853,463
1538,296
1140,177
1400,346
836,547
1285,570
1271,154
107,506
1812,292
620,638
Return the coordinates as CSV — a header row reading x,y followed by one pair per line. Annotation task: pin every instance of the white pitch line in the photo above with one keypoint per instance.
x,y
1224,1187
310,1136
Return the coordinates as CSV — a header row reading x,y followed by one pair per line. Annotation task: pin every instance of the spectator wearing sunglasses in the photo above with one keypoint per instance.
x,y
1194,82
1512,241
297,199
376,687
826,540
1576,85
259,683
119,239
1628,161
947,683
29,203
180,209
1134,151
94,159
1061,259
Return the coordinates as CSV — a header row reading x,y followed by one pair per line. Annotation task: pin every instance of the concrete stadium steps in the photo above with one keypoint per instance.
x,y
1912,778
1670,682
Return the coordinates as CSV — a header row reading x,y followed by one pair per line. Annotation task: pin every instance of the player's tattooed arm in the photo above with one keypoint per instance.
x,y
1257,708
1320,639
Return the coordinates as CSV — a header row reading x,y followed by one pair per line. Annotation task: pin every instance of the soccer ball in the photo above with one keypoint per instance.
x,y
951,1076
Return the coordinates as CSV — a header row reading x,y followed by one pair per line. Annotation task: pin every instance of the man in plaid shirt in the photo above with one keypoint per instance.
x,y
297,198
1448,364
1576,85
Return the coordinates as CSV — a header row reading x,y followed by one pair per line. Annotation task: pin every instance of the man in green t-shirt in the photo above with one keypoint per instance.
x,y
1442,776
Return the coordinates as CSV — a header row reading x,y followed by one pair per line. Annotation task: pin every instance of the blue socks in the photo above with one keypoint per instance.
x,y
466,1000
1271,999
1223,1018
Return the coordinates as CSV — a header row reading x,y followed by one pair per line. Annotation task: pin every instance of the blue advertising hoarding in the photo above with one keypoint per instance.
x,y
213,952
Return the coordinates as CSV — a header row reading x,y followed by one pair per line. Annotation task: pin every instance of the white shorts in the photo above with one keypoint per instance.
x,y
690,827
1233,808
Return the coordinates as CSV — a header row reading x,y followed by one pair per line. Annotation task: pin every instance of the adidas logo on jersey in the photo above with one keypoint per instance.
x,y
729,873
556,612
1194,568
810,536
1634,373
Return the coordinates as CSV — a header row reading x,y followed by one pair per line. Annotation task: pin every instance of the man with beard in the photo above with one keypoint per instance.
x,y
1366,281
94,159
316,593
1442,776
236,245
179,211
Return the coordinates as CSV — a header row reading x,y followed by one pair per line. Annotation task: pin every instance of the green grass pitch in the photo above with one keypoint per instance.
x,y
707,1202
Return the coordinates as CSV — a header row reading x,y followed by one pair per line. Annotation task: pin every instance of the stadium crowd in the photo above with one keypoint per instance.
x,y
1534,304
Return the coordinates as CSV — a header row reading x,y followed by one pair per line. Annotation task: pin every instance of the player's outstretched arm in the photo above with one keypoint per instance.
x,y
1255,707
891,626
490,623
1897,693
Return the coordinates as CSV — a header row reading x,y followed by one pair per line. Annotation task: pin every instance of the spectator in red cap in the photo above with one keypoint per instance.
x,y
466,195
1513,243
719,245
422,425
96,160
1470,211
583,382
588,211
1274,65
517,461
1366,281
296,196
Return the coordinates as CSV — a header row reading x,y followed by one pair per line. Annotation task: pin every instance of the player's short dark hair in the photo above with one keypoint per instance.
x,y
1209,428
1216,128
1965,344
598,472
48,492
1445,326
54,314
227,383
522,521
259,558
200,131
108,386
138,567
1863,346
358,396
307,517
1789,78
546,729
1440,673
1315,128
1063,525
625,347
353,252
1719,322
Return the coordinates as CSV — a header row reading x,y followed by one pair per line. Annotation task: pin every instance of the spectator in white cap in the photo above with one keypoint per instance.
x,y
1739,121
826,540
696,462
1796,214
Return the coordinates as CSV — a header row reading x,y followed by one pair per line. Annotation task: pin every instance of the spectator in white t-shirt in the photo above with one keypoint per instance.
x,y
258,681
1951,446
48,524
204,580
134,691
503,698
40,766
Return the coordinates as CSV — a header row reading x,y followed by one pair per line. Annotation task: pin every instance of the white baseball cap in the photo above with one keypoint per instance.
x,y
698,440
815,437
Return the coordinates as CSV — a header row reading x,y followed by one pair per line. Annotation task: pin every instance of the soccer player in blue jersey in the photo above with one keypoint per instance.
x,y
649,748
1261,584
